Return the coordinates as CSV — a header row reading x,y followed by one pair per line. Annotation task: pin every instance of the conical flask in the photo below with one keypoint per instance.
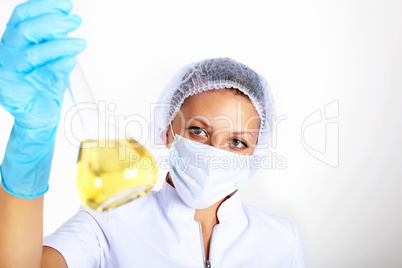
x,y
112,169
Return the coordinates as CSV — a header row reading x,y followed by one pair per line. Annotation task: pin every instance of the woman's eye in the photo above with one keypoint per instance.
x,y
197,131
238,144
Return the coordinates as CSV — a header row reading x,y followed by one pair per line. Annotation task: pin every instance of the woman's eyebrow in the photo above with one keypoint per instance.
x,y
206,125
243,132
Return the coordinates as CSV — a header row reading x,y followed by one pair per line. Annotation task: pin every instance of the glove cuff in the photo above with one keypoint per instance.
x,y
18,194
27,162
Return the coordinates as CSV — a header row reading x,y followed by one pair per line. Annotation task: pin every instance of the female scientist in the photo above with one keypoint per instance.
x,y
214,116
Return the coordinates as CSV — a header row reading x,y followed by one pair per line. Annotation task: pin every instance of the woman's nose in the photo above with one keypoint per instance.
x,y
218,141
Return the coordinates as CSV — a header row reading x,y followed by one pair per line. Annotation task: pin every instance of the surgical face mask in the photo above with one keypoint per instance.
x,y
203,174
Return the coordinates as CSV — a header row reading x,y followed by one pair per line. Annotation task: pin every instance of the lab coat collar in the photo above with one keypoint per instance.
x,y
230,210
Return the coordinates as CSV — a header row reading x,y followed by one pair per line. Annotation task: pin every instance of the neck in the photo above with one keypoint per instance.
x,y
207,216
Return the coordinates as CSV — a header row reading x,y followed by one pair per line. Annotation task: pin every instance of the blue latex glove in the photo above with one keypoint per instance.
x,y
36,58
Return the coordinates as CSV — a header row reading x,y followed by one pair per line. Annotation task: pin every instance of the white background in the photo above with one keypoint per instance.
x,y
312,53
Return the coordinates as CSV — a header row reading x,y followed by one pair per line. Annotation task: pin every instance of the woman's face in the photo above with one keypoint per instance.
x,y
220,118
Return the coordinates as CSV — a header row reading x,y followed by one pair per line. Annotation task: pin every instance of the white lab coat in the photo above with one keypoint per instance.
x,y
159,230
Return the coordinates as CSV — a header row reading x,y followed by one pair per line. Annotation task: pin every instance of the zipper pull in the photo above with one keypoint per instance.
x,y
207,264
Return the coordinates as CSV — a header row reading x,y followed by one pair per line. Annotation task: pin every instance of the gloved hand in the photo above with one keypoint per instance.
x,y
36,58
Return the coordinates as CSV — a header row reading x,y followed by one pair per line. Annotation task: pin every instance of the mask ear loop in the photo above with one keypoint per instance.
x,y
171,130
175,136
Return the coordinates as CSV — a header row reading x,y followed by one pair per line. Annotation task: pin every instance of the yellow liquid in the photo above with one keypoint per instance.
x,y
113,172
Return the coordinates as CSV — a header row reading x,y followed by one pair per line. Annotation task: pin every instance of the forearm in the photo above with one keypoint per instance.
x,y
21,230
24,175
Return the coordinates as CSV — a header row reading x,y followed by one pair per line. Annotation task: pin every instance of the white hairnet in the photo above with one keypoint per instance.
x,y
210,74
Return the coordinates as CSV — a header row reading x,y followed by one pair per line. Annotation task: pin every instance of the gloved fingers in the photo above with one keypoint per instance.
x,y
46,27
36,8
49,80
40,54
62,67
52,77
27,96
55,49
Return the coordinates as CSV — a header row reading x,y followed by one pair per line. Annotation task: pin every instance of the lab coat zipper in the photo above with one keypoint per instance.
x,y
207,263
